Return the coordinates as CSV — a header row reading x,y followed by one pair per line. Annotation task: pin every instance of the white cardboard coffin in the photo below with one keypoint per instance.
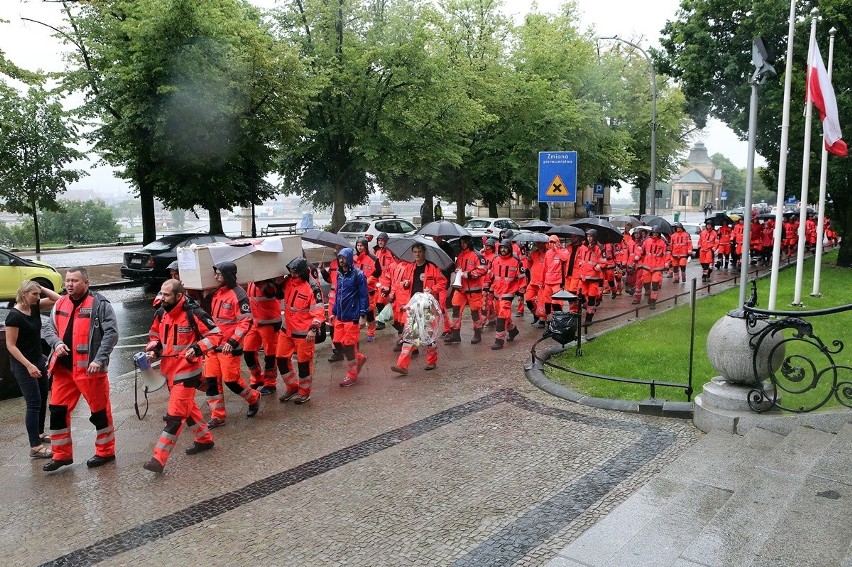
x,y
256,259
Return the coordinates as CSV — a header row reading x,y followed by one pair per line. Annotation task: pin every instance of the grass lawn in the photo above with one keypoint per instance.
x,y
658,347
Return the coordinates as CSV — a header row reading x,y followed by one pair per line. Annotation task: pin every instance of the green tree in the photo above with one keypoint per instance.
x,y
80,222
368,58
192,99
36,140
733,180
708,49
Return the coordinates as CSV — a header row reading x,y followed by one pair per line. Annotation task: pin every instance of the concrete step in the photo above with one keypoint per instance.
x,y
815,527
722,457
671,494
771,481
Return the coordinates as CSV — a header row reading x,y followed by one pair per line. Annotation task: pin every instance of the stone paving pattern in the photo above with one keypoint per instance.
x,y
465,465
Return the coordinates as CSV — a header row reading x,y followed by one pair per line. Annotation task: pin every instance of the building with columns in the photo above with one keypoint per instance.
x,y
698,183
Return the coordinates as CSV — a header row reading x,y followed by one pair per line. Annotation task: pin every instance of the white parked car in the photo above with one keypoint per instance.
x,y
369,226
694,231
486,226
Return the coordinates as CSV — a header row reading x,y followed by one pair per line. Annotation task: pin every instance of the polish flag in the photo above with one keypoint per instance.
x,y
822,95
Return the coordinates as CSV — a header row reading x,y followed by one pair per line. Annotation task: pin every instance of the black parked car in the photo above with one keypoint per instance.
x,y
151,263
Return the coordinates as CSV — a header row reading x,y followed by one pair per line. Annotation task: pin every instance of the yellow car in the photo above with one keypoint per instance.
x,y
14,270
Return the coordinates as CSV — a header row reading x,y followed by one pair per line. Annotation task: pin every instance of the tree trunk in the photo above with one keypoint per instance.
x,y
215,220
642,182
460,202
844,255
426,211
338,213
149,222
543,209
492,209
35,228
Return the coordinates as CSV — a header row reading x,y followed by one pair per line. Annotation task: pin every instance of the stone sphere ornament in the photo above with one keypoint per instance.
x,y
730,352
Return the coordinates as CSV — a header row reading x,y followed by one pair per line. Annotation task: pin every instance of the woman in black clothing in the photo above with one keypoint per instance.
x,y
27,362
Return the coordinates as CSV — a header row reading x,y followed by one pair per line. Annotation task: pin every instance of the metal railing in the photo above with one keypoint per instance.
x,y
802,366
652,384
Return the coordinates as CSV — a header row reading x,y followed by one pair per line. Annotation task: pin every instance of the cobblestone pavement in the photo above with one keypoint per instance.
x,y
465,465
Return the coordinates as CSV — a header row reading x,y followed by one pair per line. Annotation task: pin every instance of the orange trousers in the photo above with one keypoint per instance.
x,y
65,393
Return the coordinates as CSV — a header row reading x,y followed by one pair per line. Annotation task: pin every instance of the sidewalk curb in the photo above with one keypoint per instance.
x,y
662,408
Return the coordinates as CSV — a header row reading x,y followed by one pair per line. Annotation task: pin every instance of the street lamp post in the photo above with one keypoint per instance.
x,y
653,183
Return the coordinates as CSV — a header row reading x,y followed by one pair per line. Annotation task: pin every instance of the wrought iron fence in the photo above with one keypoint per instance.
x,y
566,327
803,367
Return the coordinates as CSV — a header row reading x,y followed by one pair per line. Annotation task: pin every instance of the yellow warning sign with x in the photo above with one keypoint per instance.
x,y
556,188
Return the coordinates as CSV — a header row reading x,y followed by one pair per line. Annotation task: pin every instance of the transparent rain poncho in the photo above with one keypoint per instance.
x,y
425,321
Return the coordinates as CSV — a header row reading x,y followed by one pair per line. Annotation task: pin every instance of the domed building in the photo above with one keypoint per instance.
x,y
698,183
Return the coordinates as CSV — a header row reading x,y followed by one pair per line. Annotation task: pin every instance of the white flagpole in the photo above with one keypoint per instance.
x,y
806,166
823,179
782,163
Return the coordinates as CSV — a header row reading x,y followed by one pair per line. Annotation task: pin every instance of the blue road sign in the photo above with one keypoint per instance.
x,y
724,196
557,176
599,190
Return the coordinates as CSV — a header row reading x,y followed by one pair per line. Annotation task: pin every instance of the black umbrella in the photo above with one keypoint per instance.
x,y
657,224
324,238
538,226
530,237
401,248
566,230
718,218
443,228
607,234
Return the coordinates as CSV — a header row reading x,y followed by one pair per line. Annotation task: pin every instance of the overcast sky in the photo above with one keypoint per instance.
x,y
31,46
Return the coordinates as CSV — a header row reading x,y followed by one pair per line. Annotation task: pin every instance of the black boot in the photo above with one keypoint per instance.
x,y
589,317
454,338
477,337
498,344
513,332
335,356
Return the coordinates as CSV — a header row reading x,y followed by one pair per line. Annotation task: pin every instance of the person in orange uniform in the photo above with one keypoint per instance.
x,y
589,270
304,313
232,313
535,281
681,245
708,242
652,265
755,244
810,232
489,252
181,334
508,275
82,331
386,263
351,303
723,253
737,234
554,275
830,233
625,250
473,268
265,301
767,239
610,285
416,277
372,270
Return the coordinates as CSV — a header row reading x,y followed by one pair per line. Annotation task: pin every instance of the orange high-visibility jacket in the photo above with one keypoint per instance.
x,y
172,334
231,312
